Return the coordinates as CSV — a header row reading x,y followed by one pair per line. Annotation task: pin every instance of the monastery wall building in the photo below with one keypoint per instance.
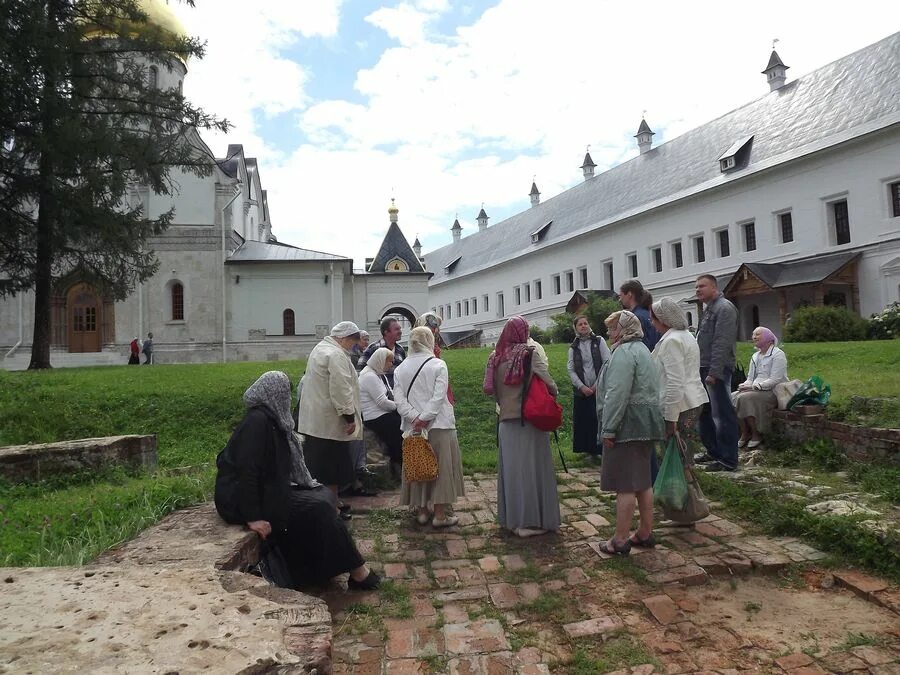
x,y
792,199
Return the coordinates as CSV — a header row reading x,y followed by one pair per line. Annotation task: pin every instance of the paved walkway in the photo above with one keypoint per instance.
x,y
711,598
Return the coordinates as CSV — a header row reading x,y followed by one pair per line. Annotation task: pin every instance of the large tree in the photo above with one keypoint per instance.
x,y
81,125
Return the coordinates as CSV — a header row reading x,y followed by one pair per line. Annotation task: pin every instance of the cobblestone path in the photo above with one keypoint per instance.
x,y
711,598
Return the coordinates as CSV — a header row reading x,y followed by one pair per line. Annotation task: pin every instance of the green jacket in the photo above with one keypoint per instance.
x,y
628,396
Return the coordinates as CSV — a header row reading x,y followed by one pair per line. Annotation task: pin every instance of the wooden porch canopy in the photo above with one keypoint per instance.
x,y
818,273
581,299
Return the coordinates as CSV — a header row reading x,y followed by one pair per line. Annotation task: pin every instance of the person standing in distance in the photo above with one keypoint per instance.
x,y
635,298
148,349
717,338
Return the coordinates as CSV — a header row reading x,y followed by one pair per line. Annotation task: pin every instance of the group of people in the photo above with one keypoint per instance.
x,y
137,348
280,474
656,381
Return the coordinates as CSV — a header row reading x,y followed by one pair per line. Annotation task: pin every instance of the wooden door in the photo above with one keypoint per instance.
x,y
83,309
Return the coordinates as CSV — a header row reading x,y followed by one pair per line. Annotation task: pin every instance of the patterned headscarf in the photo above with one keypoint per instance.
x,y
669,313
512,346
377,360
429,320
629,325
272,391
421,340
766,338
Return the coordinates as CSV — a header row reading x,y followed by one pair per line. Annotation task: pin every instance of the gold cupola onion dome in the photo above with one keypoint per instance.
x,y
162,24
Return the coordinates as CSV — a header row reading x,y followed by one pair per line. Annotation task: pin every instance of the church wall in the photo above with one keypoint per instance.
x,y
858,171
194,201
386,291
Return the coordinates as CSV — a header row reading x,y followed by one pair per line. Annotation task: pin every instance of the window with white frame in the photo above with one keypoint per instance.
x,y
894,198
466,306
484,303
538,289
631,264
724,242
501,307
608,275
474,305
699,249
748,229
557,285
517,295
570,281
583,277
656,259
785,227
677,254
527,292
458,309
839,217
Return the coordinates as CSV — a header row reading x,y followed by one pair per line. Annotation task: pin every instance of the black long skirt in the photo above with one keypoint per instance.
x,y
328,460
584,425
316,543
387,428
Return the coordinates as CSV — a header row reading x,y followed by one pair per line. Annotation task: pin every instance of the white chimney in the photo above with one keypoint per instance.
x,y
644,137
775,72
456,230
534,194
482,219
587,166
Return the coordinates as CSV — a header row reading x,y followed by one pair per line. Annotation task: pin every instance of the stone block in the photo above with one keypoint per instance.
x,y
585,529
576,576
843,662
503,595
20,463
793,661
475,637
689,575
462,595
596,520
859,583
396,571
598,626
489,564
663,608
514,562
874,656
769,562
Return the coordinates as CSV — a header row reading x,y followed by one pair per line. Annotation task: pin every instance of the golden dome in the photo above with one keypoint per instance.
x,y
392,208
159,17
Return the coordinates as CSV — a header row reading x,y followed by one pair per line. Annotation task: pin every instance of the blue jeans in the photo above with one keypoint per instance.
x,y
718,421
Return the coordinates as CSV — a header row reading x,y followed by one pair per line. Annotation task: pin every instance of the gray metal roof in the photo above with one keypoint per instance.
x,y
395,245
850,97
797,272
258,252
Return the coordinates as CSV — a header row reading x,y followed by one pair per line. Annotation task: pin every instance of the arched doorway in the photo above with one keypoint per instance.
x,y
84,314
404,315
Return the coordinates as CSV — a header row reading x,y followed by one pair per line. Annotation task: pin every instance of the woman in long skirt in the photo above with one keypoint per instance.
x,y
587,354
527,499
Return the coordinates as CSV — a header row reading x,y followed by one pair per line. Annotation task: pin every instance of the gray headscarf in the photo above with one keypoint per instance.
x,y
272,391
669,313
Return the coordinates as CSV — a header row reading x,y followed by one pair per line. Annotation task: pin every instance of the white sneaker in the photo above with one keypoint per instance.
x,y
529,532
449,521
754,444
742,443
423,518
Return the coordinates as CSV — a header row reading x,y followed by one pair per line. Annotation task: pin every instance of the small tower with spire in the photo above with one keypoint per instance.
x,y
776,71
482,219
535,194
644,137
456,230
417,247
587,166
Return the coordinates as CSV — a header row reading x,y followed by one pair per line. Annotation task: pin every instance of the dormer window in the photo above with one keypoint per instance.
x,y
736,154
539,234
449,267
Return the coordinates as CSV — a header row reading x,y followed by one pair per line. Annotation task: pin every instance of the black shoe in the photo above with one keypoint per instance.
x,y
704,458
649,542
344,508
716,467
370,583
365,472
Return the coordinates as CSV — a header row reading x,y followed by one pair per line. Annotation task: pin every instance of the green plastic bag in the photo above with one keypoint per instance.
x,y
671,489
813,392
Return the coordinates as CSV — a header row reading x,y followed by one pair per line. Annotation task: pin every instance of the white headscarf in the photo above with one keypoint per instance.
x,y
376,362
421,341
669,313
345,329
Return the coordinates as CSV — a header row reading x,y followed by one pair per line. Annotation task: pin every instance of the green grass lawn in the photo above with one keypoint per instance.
x,y
192,409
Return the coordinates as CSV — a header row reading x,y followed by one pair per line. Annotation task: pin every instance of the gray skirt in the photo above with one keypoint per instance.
x,y
449,483
756,404
526,479
626,466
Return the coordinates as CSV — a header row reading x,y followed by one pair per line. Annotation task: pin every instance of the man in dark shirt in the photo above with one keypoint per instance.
x,y
390,335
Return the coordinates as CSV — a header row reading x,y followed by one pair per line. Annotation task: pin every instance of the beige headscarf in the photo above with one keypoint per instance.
x,y
421,341
429,320
669,313
376,362
628,323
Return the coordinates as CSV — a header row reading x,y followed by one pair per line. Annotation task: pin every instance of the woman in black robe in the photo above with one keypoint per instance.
x,y
263,483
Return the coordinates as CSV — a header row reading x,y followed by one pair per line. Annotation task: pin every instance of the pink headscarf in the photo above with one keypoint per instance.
x,y
766,338
510,347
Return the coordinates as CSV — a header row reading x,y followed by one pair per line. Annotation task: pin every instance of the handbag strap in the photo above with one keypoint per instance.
x,y
409,388
526,380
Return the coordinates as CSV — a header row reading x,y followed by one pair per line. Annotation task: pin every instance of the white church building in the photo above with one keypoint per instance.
x,y
791,199
226,289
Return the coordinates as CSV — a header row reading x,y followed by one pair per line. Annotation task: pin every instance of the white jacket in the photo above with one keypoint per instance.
x,y
767,370
330,390
677,358
428,397
373,397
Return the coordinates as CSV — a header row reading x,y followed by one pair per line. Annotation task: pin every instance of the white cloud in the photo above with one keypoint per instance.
x,y
450,121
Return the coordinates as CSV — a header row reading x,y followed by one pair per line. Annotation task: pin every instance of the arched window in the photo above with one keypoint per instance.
x,y
177,302
153,80
287,320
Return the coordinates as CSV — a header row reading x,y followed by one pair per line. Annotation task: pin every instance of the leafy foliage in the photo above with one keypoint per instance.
x,y
825,324
85,134
596,312
885,325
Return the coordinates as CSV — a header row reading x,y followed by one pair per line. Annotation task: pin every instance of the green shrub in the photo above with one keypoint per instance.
x,y
562,329
539,335
596,312
886,324
825,324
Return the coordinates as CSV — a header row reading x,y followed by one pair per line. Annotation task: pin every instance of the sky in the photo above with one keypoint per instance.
x,y
447,106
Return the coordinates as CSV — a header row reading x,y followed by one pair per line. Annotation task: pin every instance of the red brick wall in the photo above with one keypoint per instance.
x,y
860,443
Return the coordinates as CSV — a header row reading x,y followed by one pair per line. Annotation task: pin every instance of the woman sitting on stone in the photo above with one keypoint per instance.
x,y
755,399
379,411
631,423
263,483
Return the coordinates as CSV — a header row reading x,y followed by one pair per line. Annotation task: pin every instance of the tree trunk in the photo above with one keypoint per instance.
x,y
47,207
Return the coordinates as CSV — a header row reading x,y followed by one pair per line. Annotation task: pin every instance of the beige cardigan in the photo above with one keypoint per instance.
x,y
509,397
330,390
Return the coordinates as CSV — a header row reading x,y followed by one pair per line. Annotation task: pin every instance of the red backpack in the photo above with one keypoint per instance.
x,y
539,408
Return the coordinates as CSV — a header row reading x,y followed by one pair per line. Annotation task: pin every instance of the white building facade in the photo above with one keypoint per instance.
x,y
792,199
